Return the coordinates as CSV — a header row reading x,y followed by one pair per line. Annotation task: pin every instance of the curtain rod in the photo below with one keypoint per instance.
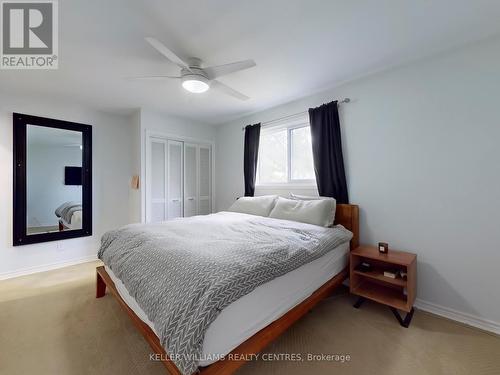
x,y
265,123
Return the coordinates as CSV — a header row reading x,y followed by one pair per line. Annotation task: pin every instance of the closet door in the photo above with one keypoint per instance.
x,y
190,179
157,187
205,180
175,179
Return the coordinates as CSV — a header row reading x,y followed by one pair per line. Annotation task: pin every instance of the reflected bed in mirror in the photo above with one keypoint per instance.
x,y
52,177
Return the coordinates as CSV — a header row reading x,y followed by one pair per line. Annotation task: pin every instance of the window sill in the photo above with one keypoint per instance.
x,y
286,186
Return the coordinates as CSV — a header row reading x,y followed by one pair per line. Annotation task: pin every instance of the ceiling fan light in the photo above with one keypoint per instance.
x,y
197,84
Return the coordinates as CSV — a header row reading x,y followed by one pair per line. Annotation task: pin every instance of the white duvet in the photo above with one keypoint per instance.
x,y
224,227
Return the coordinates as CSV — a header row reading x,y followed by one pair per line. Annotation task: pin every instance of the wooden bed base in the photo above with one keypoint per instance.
x,y
346,215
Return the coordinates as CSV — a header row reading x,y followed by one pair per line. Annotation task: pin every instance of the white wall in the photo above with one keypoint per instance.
x,y
112,169
160,122
135,195
151,121
118,154
421,146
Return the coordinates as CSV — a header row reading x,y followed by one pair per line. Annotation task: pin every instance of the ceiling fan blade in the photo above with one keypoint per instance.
x,y
160,47
153,78
228,90
221,70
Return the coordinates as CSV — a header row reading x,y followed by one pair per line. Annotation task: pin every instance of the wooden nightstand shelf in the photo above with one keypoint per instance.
x,y
398,294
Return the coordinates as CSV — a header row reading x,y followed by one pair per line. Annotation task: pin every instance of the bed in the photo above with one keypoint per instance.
x,y
268,310
69,215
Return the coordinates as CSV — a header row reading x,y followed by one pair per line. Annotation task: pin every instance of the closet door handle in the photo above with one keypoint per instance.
x,y
190,199
176,200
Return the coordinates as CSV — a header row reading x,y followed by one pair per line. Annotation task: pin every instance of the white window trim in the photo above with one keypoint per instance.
x,y
291,183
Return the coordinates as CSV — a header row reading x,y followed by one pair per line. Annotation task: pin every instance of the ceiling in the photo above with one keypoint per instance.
x,y
300,47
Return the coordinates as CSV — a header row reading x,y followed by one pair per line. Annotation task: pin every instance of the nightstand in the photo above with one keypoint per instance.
x,y
397,293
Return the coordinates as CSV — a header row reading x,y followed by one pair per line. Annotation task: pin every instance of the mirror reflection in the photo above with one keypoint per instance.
x,y
54,179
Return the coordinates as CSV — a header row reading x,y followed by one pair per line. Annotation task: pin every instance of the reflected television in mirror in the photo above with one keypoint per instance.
x,y
52,177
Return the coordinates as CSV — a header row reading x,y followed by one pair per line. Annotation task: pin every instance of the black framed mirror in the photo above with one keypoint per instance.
x,y
52,179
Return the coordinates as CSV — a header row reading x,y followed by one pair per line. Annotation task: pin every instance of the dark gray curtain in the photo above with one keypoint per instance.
x,y
251,151
327,152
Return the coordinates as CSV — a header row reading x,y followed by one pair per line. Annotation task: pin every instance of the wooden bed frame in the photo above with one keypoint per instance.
x,y
346,214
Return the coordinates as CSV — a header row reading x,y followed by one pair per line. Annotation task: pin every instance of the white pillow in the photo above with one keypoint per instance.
x,y
317,212
260,206
311,198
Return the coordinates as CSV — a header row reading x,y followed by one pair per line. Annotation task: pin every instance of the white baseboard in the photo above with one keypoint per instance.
x,y
47,267
471,320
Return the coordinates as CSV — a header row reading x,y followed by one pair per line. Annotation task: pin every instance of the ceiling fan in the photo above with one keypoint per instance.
x,y
194,77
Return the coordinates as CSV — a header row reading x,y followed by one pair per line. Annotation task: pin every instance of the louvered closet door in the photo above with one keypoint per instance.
x,y
175,179
190,179
157,210
205,180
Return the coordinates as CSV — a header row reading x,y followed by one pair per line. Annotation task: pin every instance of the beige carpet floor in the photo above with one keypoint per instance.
x,y
51,324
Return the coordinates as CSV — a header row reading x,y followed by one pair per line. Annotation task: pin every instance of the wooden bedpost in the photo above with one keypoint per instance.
x,y
348,216
100,287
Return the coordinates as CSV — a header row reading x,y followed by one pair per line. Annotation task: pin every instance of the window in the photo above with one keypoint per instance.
x,y
285,155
